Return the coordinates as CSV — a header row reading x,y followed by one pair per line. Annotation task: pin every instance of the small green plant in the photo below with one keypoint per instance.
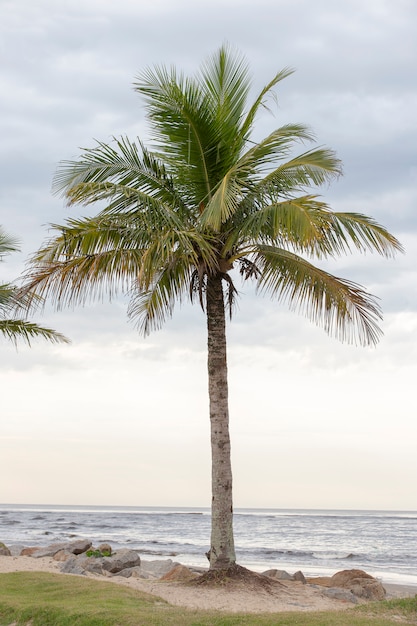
x,y
98,553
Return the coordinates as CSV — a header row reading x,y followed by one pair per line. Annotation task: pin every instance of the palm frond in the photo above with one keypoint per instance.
x,y
247,123
364,233
87,259
223,204
181,124
343,308
299,223
152,306
124,172
8,244
15,329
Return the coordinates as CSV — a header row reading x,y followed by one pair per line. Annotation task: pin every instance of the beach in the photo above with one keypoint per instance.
x,y
286,596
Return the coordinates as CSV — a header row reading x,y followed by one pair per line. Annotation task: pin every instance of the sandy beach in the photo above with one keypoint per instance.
x,y
287,596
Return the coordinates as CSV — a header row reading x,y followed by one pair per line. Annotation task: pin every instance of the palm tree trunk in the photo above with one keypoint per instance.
x,y
222,550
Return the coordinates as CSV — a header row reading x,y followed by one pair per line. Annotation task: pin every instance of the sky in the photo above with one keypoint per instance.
x,y
115,419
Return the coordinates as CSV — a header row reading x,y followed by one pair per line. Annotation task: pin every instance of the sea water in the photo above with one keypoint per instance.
x,y
317,542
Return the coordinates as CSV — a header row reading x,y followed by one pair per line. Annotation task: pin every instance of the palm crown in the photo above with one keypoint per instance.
x,y
204,200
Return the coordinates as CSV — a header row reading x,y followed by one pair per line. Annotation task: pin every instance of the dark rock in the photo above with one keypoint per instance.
x,y
74,547
128,572
300,577
278,574
122,559
79,547
74,565
340,594
4,550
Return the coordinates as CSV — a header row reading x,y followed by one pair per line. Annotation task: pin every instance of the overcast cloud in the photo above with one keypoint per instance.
x,y
116,419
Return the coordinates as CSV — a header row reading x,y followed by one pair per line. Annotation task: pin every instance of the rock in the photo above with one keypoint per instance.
x,y
322,581
135,572
122,559
105,548
278,574
156,568
16,549
360,583
79,547
4,550
28,551
179,573
62,555
74,547
76,565
299,576
340,594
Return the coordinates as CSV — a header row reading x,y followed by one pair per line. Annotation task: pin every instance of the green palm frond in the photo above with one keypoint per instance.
x,y
247,124
15,329
15,301
343,308
8,244
125,173
91,257
365,234
151,307
275,147
181,124
85,259
301,223
223,204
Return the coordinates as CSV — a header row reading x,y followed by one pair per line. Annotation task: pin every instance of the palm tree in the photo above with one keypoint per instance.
x,y
14,302
207,200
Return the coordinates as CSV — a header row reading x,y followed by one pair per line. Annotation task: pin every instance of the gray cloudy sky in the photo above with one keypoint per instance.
x,y
115,419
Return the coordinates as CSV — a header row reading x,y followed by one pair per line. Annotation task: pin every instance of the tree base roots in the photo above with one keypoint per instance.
x,y
236,576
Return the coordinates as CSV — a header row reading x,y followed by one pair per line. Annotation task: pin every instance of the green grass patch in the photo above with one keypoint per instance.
x,y
42,599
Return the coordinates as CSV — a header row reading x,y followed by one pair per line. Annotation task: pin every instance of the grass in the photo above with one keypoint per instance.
x,y
42,599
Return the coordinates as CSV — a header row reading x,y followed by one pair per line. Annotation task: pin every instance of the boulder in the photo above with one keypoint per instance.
x,y
105,565
62,555
28,551
79,547
105,548
4,550
132,572
78,565
156,568
299,576
278,574
358,582
120,560
340,594
74,547
179,573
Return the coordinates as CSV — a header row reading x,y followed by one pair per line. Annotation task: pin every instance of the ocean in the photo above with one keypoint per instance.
x,y
317,542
